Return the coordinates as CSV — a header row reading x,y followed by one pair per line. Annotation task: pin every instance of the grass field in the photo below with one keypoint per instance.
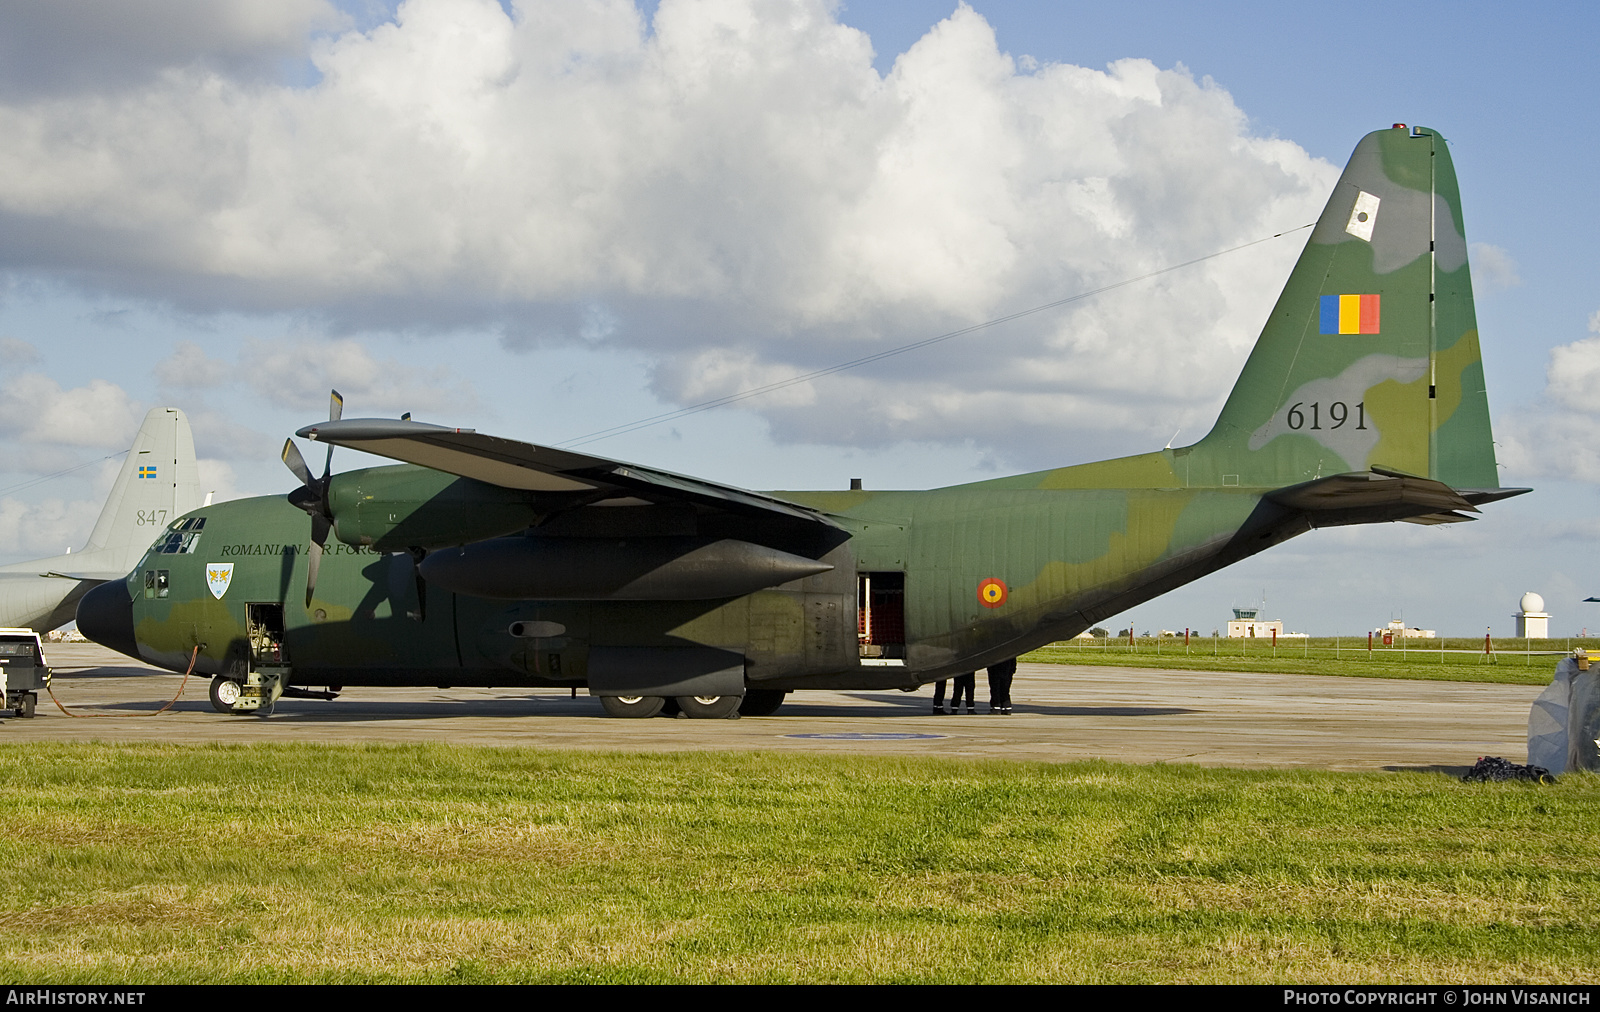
x,y
437,863
1514,661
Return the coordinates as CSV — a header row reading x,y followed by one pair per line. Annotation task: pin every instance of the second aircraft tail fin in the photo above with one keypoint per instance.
x,y
159,482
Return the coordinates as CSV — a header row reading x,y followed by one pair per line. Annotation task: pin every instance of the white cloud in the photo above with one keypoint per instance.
x,y
218,480
299,374
1543,444
737,186
1573,375
14,352
47,45
46,528
1556,438
1492,268
189,367
34,409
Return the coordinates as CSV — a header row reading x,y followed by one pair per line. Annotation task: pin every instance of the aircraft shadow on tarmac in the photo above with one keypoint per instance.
x,y
357,710
919,705
99,672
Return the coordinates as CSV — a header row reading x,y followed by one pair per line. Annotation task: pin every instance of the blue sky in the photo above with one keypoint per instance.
x,y
460,290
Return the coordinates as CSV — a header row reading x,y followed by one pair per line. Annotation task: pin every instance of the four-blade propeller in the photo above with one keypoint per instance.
x,y
312,496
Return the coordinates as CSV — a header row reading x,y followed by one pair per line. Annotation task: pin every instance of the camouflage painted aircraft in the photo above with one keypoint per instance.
x,y
489,562
157,483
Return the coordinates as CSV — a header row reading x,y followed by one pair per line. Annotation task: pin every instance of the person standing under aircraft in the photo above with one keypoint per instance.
x,y
938,697
1000,676
964,684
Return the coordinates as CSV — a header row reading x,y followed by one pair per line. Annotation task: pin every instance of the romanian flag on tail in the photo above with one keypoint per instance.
x,y
1350,314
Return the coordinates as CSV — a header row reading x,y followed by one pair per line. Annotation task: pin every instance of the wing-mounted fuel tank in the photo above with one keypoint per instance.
x,y
532,567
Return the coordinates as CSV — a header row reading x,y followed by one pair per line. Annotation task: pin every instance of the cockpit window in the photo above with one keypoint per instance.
x,y
183,538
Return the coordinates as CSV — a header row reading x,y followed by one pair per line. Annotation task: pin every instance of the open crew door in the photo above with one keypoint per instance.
x,y
265,628
881,618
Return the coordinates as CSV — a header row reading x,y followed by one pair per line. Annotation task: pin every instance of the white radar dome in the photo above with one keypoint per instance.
x,y
1532,603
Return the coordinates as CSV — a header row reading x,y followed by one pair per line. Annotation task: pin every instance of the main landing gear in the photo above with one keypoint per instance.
x,y
755,703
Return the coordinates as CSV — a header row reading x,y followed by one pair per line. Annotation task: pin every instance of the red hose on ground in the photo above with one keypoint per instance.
x,y
193,659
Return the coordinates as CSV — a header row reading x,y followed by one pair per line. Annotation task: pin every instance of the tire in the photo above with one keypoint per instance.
x,y
225,692
709,707
632,706
30,702
761,702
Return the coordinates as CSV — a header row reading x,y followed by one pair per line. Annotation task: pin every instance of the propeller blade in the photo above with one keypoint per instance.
x,y
297,463
335,412
313,563
319,537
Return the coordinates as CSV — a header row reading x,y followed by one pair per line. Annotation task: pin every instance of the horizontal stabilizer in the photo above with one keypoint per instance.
x,y
1373,497
1480,496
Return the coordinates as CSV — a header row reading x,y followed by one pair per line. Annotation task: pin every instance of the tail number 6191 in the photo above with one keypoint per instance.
x,y
1336,415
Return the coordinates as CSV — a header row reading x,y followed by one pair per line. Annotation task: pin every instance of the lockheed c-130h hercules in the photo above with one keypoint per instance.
x,y
482,561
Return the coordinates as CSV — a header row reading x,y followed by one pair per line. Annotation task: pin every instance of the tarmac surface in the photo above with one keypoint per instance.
x,y
1062,713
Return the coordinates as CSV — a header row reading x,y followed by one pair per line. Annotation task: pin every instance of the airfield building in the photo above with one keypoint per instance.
x,y
1247,624
1398,630
1533,622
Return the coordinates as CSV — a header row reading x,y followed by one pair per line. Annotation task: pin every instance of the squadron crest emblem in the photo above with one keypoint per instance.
x,y
218,576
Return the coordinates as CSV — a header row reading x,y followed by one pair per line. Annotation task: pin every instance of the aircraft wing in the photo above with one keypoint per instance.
x,y
512,464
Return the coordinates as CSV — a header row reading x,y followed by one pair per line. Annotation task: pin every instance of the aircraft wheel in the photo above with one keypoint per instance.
x,y
224,693
761,702
708,707
632,706
30,702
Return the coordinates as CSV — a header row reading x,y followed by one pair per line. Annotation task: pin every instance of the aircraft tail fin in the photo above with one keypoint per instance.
x,y
1370,358
158,483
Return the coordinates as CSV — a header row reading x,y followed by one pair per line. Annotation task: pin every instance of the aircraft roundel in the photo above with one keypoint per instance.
x,y
992,593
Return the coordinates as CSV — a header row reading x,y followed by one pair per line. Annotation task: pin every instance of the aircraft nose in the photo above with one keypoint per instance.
x,y
105,615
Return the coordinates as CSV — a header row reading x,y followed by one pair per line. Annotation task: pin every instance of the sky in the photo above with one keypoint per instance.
x,y
547,220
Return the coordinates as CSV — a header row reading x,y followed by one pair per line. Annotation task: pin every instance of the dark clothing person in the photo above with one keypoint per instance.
x,y
1000,676
938,696
963,683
